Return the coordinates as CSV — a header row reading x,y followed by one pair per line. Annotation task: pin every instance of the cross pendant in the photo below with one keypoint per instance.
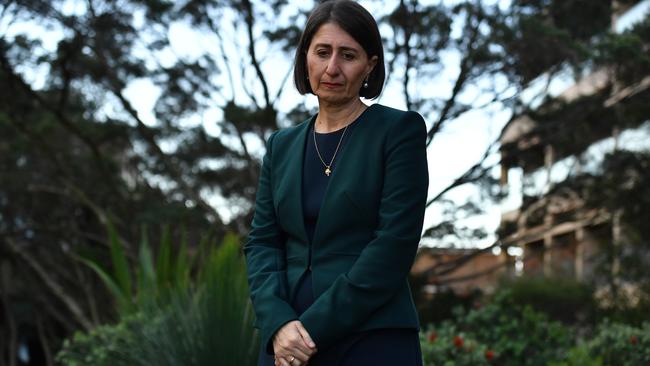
x,y
328,171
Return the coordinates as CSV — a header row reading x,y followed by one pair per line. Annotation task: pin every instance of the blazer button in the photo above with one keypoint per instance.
x,y
309,267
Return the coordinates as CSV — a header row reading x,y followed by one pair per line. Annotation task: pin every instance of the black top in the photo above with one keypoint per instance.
x,y
314,179
314,185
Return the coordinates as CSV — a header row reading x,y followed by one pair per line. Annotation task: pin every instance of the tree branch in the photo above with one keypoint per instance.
x,y
463,76
248,8
49,359
58,113
11,322
148,136
71,304
409,59
224,56
473,174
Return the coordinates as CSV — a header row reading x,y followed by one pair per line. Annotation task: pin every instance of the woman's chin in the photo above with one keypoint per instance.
x,y
334,97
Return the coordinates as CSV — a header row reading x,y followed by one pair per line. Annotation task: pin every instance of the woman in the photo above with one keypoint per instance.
x,y
339,210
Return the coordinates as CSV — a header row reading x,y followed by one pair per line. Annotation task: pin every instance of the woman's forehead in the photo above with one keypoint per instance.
x,y
332,35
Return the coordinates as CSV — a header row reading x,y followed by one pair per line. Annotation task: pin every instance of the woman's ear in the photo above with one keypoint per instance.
x,y
372,63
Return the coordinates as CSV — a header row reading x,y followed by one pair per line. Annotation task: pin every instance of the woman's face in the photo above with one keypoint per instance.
x,y
337,65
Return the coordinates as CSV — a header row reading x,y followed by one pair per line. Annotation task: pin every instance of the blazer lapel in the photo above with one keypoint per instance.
x,y
294,181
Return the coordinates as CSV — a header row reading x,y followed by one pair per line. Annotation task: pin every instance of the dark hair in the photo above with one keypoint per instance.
x,y
360,25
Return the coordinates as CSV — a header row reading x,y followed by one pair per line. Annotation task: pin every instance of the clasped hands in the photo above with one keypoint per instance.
x,y
292,345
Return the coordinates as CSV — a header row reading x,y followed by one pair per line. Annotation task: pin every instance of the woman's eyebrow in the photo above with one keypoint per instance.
x,y
342,48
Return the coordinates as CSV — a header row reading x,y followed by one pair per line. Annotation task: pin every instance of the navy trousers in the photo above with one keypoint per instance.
x,y
377,347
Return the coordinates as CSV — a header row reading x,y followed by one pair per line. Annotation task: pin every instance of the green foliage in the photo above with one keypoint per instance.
x,y
146,271
163,262
520,335
206,322
561,299
579,356
97,346
627,309
504,332
153,283
612,344
441,306
621,185
510,334
121,272
582,19
621,345
448,346
627,52
210,323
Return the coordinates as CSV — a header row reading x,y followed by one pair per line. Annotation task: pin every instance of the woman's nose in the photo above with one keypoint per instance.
x,y
332,66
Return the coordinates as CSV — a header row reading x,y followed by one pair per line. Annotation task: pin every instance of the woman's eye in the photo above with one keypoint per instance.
x,y
322,53
348,56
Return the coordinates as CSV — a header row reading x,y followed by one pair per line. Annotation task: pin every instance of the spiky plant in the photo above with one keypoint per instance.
x,y
172,318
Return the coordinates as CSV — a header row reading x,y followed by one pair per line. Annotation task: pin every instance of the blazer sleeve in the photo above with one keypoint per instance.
x,y
265,260
384,264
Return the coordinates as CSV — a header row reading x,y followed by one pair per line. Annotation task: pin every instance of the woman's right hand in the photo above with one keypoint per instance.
x,y
293,343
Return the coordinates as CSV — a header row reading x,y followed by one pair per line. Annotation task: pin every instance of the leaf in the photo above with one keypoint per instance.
x,y
121,298
182,265
146,272
163,262
121,271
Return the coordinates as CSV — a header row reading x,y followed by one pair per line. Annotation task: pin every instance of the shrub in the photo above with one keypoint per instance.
x,y
621,345
501,332
579,356
561,299
97,346
519,334
206,322
447,345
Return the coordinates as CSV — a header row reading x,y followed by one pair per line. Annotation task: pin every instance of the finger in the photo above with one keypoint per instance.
x,y
299,355
294,361
298,346
296,342
294,347
305,336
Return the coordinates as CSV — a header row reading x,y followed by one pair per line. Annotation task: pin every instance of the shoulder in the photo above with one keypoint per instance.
x,y
284,136
290,133
393,118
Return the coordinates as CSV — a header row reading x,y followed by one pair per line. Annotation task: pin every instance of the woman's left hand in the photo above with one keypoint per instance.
x,y
293,345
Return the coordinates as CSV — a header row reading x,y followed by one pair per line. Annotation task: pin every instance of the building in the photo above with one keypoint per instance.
x,y
462,270
559,235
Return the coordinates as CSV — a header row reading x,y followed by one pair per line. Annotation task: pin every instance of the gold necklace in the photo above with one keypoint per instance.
x,y
328,167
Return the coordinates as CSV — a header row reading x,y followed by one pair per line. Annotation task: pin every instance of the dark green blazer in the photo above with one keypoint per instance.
x,y
365,239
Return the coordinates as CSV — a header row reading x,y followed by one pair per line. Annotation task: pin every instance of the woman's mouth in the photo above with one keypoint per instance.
x,y
331,85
